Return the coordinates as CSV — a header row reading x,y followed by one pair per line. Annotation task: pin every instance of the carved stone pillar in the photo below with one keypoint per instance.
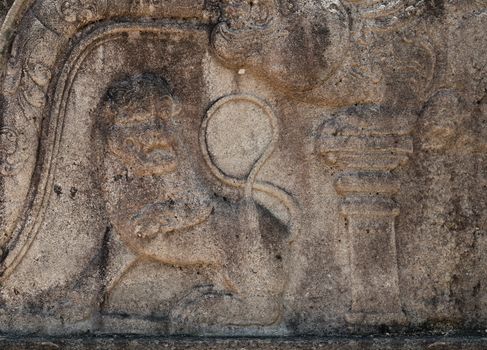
x,y
366,144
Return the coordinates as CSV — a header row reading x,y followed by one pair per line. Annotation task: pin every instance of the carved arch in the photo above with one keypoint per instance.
x,y
25,230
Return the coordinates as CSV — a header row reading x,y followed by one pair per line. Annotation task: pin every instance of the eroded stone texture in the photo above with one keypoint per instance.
x,y
244,168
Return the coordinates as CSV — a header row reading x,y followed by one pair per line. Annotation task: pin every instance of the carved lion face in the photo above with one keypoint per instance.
x,y
141,133
148,181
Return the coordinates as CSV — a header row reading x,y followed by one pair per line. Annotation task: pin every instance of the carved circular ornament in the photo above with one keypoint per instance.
x,y
238,135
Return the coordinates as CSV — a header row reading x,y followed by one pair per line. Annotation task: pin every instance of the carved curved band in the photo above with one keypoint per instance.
x,y
250,184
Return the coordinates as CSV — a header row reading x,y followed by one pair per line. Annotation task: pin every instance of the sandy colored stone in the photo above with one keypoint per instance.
x,y
271,168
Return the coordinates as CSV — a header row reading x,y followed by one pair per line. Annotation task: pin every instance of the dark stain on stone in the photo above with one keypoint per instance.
x,y
435,8
4,253
103,258
72,192
476,289
104,252
58,190
5,7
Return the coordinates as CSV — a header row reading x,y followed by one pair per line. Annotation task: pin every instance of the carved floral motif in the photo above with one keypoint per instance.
x,y
9,147
29,80
81,10
246,15
387,14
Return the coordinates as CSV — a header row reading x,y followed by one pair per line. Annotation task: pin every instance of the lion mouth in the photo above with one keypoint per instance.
x,y
146,157
149,152
159,153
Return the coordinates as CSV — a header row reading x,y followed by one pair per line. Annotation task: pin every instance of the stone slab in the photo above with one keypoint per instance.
x,y
272,169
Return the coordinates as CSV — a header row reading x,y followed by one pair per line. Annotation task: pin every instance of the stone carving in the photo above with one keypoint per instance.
x,y
170,183
140,139
148,5
81,10
26,232
255,35
171,8
163,213
236,157
365,144
445,125
36,77
386,15
13,69
9,141
29,80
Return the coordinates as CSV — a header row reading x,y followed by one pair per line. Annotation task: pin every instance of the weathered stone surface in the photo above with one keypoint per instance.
x,y
350,343
271,168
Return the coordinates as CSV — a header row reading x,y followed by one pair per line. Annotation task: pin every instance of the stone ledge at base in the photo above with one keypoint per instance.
x,y
342,343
